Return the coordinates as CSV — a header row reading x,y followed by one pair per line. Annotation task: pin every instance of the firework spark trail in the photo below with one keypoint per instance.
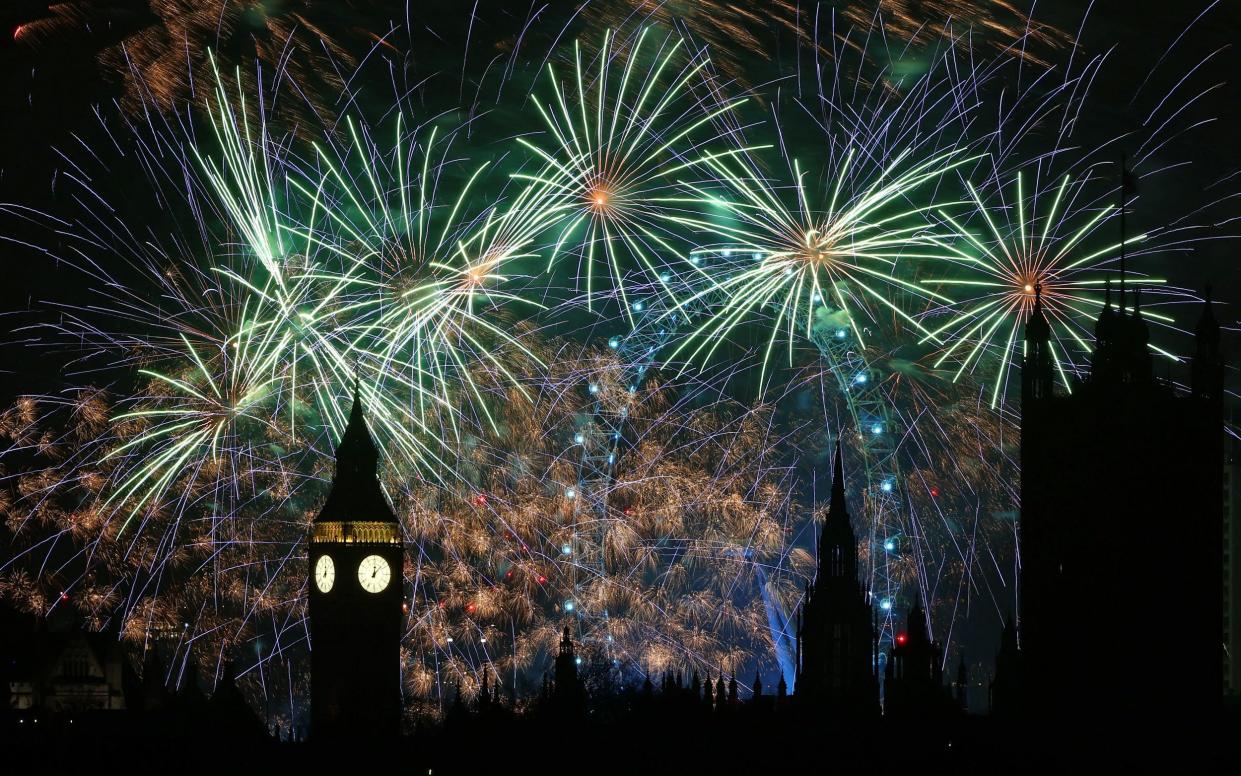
x,y
158,60
199,482
1049,221
177,506
619,132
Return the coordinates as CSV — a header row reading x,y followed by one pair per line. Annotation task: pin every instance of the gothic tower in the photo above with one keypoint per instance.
x,y
1121,514
836,640
356,575
913,685
568,697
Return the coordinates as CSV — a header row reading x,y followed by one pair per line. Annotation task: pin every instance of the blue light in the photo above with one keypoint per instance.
x,y
568,607
876,429
885,605
570,493
664,276
696,260
614,343
727,253
889,545
816,297
611,457
578,438
566,550
594,388
886,487
758,257
842,333
637,306
577,660
859,378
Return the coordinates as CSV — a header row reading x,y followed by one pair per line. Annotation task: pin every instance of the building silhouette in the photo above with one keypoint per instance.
x,y
1120,579
356,583
1231,571
837,642
75,671
563,693
913,684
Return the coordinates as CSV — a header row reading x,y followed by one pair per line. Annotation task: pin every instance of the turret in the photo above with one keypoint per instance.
x,y
1037,370
1207,375
837,544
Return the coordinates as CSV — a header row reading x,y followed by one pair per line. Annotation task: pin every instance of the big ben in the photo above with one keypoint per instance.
x,y
356,575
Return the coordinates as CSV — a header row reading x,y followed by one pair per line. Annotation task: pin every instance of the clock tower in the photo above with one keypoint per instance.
x,y
356,585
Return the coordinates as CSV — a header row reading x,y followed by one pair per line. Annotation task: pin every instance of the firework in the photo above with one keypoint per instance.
x,y
839,257
542,480
740,37
1033,248
619,133
159,54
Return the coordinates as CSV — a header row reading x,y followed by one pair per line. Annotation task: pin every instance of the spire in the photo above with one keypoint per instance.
x,y
758,685
838,507
837,544
1207,369
1037,329
356,452
1207,329
918,623
1101,328
1128,185
356,493
1037,375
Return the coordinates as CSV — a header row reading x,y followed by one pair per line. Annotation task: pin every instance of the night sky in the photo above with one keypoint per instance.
x,y
59,106
52,94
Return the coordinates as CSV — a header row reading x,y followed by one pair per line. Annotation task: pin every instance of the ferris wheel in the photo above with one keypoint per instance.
x,y
873,436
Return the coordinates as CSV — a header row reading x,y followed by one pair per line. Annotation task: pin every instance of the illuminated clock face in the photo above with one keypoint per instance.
x,y
374,574
325,573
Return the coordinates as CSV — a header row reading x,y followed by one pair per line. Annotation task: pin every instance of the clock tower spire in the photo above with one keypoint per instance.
x,y
356,575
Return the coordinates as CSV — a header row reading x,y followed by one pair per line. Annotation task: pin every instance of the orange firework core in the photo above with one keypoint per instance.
x,y
599,197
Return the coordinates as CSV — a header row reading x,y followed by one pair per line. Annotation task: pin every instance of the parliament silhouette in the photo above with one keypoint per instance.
x,y
1117,626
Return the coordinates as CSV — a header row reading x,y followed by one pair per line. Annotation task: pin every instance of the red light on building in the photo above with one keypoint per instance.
x,y
542,580
481,499
469,608
901,639
934,492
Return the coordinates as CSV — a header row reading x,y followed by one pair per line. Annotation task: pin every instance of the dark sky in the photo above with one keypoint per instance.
x,y
48,101
48,98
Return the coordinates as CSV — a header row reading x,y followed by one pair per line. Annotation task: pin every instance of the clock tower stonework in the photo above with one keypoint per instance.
x,y
356,594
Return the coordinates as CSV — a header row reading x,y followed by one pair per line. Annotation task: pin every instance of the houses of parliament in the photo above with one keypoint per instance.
x,y
1120,561
1119,590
